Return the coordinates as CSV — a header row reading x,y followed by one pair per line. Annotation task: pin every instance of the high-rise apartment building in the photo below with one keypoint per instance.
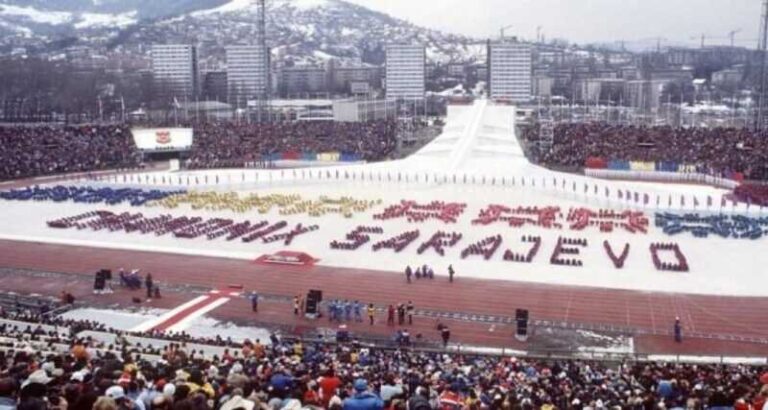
x,y
174,70
405,71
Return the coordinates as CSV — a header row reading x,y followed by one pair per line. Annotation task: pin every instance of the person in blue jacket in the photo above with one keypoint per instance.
x,y
363,399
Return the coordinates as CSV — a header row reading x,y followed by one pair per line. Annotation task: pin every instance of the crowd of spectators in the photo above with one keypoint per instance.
x,y
29,151
715,150
293,375
233,145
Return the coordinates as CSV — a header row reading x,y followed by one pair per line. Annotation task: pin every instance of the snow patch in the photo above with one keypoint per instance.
x,y
303,5
116,319
46,17
18,29
232,6
210,328
309,4
88,20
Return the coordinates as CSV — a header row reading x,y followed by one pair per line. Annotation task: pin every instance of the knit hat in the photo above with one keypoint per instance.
x,y
361,385
115,392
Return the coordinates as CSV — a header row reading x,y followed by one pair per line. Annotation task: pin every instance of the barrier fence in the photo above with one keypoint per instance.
x,y
662,176
330,156
670,171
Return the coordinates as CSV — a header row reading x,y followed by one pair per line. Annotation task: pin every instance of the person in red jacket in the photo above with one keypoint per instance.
x,y
328,385
391,316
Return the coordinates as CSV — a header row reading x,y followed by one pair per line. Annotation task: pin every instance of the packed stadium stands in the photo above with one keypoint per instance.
x,y
234,145
715,151
79,363
28,151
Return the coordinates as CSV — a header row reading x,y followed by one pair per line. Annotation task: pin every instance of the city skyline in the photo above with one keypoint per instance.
x,y
587,21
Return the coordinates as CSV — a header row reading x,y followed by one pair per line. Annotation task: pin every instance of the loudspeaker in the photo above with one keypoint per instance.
x,y
521,317
315,294
314,297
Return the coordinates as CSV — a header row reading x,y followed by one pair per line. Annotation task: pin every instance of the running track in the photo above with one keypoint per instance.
x,y
651,313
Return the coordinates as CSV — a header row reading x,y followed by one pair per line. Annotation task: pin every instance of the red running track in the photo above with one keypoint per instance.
x,y
649,311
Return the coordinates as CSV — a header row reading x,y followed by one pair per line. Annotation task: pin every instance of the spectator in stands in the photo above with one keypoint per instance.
x,y
363,399
7,394
293,375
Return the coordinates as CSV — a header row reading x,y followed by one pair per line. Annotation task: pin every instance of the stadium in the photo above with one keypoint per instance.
x,y
506,258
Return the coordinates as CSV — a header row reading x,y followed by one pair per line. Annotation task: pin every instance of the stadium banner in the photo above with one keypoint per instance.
x,y
163,139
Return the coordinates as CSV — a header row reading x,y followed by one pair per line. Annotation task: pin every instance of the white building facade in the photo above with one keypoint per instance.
x,y
247,72
174,70
510,71
405,72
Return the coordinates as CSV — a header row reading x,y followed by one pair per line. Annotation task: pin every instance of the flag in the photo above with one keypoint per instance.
x,y
658,200
695,201
595,189
607,192
586,188
709,201
637,197
554,181
574,187
682,200
645,199
621,196
723,203
669,201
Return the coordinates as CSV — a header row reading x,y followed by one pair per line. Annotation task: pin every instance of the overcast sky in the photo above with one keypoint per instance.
x,y
585,20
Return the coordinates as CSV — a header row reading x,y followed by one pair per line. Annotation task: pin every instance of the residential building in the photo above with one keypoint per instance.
x,y
510,71
215,86
302,80
405,71
343,77
247,72
174,70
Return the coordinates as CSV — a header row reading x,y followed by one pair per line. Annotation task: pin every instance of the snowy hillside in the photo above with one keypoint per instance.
x,y
298,30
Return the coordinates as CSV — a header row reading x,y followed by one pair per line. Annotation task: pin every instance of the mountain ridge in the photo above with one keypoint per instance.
x,y
301,31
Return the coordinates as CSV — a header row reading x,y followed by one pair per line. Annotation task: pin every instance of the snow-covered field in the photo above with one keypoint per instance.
x,y
478,144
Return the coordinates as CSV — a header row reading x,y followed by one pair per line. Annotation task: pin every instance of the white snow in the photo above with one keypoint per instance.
x,y
116,319
306,4
478,143
210,328
19,29
199,327
88,20
232,6
37,16
322,55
